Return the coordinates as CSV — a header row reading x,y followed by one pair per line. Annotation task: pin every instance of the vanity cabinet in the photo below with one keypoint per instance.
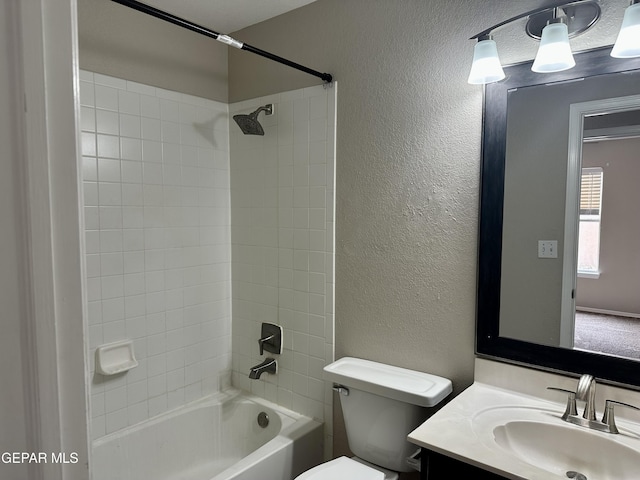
x,y
436,466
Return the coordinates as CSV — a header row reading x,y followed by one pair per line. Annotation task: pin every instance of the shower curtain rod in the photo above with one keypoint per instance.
x,y
168,17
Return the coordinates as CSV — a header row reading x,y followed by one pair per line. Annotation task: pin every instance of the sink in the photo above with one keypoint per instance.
x,y
520,436
541,439
563,450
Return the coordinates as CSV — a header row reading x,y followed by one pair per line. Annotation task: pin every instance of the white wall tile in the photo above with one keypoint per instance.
x,y
130,126
113,331
88,140
151,150
141,88
106,97
135,277
87,93
137,413
297,167
131,149
150,106
129,102
116,421
108,146
151,129
107,122
163,230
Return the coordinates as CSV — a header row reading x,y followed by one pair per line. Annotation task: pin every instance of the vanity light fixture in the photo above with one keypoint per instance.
x,y
628,42
486,67
553,25
554,53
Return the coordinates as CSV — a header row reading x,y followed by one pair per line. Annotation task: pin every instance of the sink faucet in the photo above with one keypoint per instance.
x,y
586,391
269,365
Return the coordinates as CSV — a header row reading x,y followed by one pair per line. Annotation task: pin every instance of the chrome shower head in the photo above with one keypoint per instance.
x,y
249,124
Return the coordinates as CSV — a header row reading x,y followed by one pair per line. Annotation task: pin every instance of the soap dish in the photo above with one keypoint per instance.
x,y
116,357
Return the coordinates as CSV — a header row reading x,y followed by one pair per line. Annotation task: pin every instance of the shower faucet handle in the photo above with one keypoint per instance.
x,y
264,340
271,338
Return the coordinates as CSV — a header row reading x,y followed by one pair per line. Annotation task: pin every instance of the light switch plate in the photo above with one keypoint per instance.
x,y
547,249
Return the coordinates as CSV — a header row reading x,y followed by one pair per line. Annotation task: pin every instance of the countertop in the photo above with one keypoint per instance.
x,y
452,431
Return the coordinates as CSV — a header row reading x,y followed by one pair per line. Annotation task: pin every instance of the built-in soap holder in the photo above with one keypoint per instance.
x,y
116,357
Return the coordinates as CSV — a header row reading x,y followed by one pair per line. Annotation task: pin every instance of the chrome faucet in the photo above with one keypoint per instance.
x,y
269,365
586,390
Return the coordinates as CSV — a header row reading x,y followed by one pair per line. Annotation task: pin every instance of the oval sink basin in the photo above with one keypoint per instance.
x,y
567,451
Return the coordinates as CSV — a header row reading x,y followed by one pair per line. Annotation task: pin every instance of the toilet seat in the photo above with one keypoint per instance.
x,y
342,467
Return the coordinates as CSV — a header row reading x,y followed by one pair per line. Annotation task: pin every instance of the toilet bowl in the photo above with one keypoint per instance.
x,y
381,404
347,468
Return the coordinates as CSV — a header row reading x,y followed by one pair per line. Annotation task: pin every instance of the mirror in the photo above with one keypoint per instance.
x,y
530,218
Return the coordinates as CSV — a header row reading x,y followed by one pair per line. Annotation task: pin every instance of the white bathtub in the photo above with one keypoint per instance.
x,y
213,439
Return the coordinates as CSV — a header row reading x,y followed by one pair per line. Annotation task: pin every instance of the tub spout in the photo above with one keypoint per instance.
x,y
269,366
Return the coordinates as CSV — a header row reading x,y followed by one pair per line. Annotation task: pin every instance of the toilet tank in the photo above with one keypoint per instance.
x,y
383,405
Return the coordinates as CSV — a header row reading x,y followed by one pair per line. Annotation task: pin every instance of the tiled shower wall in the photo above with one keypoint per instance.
x,y
282,211
156,178
156,204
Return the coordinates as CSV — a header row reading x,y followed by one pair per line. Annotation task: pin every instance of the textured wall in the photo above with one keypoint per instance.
x,y
116,40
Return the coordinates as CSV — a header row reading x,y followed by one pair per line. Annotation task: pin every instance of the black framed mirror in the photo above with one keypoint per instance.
x,y
595,72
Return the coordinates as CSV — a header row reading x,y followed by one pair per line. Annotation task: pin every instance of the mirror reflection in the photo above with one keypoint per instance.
x,y
529,290
608,255
570,265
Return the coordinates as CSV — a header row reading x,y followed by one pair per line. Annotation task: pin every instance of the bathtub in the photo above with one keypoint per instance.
x,y
217,438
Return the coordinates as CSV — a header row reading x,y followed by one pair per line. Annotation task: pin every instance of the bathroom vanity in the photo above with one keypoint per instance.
x,y
508,424
436,466
520,422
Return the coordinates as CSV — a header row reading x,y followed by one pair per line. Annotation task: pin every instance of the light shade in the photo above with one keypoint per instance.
x,y
554,53
486,67
628,42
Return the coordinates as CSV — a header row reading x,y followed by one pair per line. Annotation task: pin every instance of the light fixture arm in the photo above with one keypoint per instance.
x,y
553,7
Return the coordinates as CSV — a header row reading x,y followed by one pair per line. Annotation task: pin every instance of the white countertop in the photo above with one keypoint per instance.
x,y
452,431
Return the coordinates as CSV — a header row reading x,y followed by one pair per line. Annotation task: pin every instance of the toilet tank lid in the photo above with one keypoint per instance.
x,y
409,386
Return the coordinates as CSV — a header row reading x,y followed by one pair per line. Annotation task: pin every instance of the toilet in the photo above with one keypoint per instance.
x,y
381,405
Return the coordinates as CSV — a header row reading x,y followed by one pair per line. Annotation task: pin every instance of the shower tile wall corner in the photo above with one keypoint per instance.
x,y
156,205
282,235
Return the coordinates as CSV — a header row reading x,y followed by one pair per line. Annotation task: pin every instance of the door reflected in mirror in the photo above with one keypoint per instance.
x,y
607,300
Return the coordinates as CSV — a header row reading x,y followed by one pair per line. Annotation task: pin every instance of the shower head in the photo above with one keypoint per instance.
x,y
249,123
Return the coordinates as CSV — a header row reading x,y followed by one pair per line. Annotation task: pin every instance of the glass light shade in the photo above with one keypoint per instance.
x,y
486,67
554,53
628,42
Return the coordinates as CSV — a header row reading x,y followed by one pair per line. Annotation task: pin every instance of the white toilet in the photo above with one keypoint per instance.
x,y
381,405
